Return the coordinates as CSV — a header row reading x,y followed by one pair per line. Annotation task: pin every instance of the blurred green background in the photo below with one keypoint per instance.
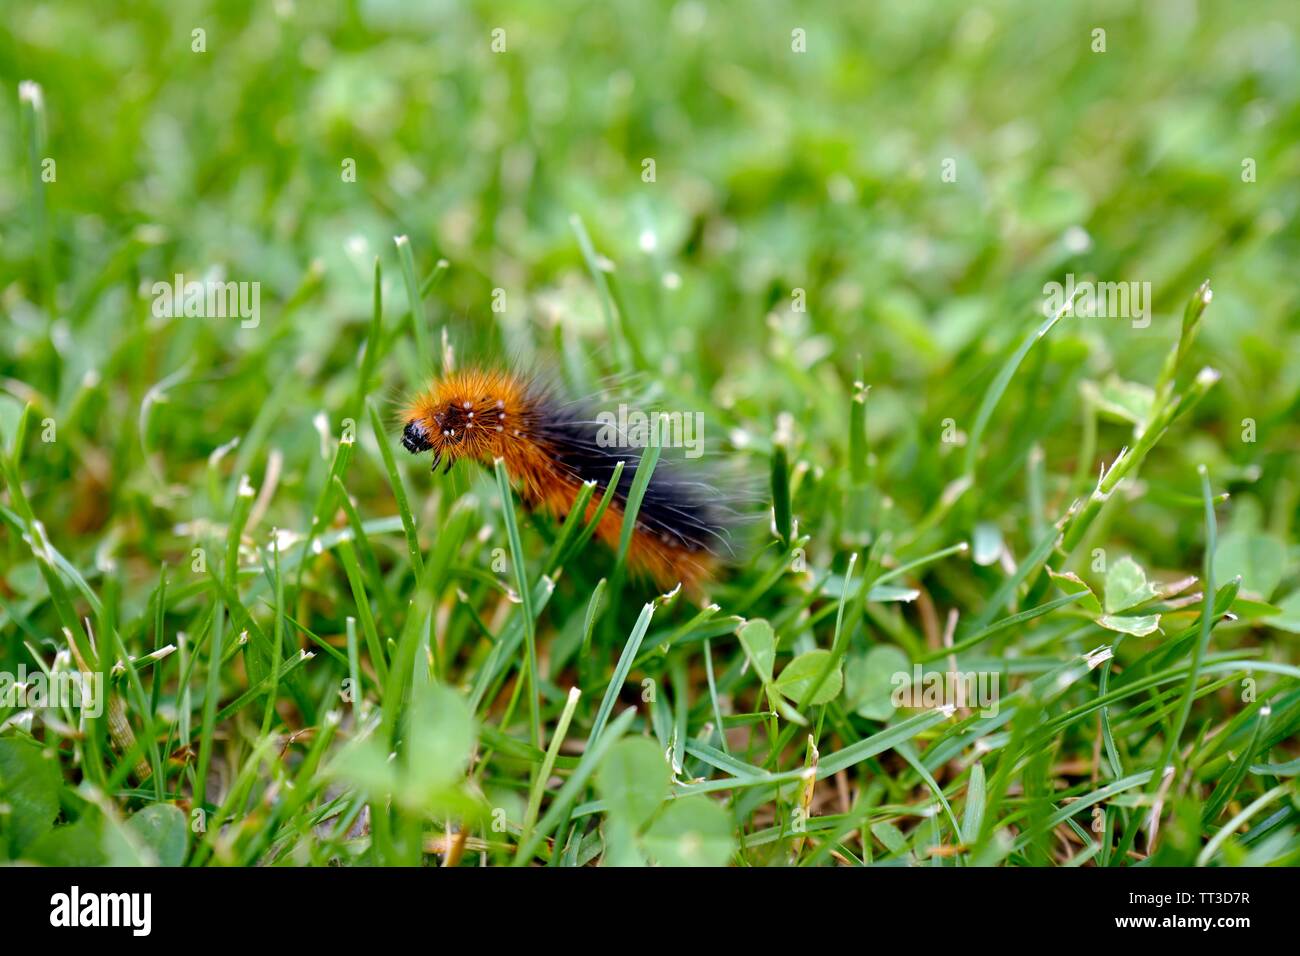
x,y
774,170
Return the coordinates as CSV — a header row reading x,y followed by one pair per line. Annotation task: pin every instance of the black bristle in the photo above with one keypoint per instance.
x,y
675,507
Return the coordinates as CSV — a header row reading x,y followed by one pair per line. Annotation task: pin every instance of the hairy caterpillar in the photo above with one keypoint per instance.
x,y
550,448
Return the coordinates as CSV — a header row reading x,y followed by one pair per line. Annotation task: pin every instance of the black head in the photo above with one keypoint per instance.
x,y
415,438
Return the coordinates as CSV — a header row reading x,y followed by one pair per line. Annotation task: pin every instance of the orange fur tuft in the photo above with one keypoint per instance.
x,y
483,415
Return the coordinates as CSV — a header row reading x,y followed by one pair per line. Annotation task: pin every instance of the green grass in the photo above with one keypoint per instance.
x,y
317,652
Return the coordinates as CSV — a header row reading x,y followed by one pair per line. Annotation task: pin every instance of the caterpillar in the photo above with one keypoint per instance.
x,y
551,447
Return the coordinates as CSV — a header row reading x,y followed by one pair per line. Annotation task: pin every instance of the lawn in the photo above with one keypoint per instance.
x,y
990,316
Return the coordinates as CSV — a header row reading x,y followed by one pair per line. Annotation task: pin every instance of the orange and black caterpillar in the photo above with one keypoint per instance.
x,y
550,448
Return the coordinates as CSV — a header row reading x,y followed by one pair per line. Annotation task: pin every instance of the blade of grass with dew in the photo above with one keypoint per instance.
x,y
613,326
878,743
1198,650
548,762
857,507
594,608
399,491
589,529
419,323
526,599
212,690
366,551
782,521
563,802
640,482
374,338
354,670
998,387
361,599
569,530
621,671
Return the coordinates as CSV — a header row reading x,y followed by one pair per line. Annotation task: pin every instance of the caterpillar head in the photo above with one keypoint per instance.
x,y
454,426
